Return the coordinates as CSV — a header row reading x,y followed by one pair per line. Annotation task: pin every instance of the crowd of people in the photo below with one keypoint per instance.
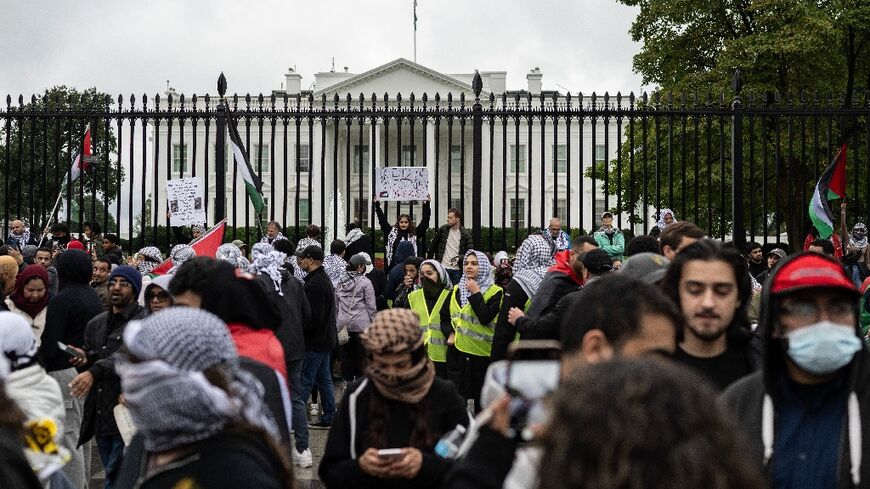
x,y
680,361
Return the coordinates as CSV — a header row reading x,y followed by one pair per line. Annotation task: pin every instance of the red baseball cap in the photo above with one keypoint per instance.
x,y
75,245
811,270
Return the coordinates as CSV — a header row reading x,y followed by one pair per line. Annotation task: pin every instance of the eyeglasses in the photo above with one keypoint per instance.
x,y
120,283
811,311
159,297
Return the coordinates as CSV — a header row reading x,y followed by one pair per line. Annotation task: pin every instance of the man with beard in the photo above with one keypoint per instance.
x,y
755,257
100,281
20,236
710,284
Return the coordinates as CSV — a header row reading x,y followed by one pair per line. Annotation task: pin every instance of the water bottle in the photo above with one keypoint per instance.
x,y
448,446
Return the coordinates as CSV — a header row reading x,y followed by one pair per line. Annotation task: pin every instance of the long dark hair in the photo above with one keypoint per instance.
x,y
411,227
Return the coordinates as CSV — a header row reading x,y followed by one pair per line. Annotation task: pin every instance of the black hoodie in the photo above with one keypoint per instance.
x,y
69,311
746,397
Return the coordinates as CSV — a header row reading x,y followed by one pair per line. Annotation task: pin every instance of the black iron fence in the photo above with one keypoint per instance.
x,y
739,165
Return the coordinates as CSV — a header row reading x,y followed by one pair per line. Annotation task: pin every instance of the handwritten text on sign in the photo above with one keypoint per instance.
x,y
402,183
185,196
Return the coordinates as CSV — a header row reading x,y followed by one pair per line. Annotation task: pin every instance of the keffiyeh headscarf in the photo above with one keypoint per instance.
x,y
229,253
269,262
661,222
391,241
171,401
353,235
335,267
533,259
180,254
397,331
17,343
22,239
858,237
484,276
150,259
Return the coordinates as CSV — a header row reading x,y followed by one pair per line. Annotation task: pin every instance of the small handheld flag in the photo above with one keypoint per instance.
x,y
83,158
831,186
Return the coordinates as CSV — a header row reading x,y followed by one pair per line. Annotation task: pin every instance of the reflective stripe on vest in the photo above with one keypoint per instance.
x,y
471,336
436,344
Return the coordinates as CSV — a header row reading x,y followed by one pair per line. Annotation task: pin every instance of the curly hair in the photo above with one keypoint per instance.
x,y
642,423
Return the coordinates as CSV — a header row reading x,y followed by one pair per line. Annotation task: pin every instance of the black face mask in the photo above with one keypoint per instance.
x,y
431,288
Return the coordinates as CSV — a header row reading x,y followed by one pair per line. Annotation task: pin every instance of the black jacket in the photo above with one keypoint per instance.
x,y
549,325
745,398
361,245
114,255
103,337
439,243
224,461
379,282
15,470
514,296
419,231
320,333
554,286
295,313
69,311
340,468
486,465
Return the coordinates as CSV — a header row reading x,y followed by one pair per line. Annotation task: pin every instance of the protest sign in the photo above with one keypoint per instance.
x,y
402,183
185,201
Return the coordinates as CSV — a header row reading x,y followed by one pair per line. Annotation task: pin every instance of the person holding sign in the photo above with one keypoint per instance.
x,y
403,230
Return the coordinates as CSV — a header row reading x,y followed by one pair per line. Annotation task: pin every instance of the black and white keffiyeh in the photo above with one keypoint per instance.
x,y
661,222
391,241
858,238
267,240
484,276
534,257
22,238
229,253
149,259
335,267
180,254
267,261
353,235
171,401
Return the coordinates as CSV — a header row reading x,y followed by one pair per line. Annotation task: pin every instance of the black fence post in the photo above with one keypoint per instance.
x,y
220,170
477,157
738,232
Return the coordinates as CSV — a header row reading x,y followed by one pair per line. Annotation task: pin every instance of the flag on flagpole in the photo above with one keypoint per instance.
x,y
205,245
253,185
83,158
415,15
831,186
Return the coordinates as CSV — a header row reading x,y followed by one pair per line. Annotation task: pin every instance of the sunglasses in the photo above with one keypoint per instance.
x,y
160,297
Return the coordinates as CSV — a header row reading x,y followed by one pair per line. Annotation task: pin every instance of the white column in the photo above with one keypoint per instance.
x,y
430,156
376,145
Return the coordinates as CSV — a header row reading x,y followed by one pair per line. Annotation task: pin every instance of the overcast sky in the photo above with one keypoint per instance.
x,y
125,46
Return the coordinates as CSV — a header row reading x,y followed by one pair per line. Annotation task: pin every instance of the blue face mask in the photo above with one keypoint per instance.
x,y
824,347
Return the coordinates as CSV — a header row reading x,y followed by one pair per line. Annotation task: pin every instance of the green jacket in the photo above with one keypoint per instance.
x,y
613,244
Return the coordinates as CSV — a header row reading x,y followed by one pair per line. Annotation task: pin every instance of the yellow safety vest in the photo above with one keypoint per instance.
x,y
430,323
471,336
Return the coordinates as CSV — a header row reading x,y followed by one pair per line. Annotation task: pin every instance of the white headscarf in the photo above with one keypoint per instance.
x,y
664,212
484,276
533,259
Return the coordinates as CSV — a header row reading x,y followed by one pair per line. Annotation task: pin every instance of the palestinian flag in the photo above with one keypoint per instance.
x,y
83,158
831,186
253,185
205,245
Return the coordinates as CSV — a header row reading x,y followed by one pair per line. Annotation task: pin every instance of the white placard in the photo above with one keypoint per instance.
x,y
185,201
124,422
402,183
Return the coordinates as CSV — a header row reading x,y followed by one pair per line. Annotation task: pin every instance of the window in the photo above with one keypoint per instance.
x,y
561,151
599,206
456,202
260,159
361,211
366,159
407,157
517,166
518,213
455,158
562,210
179,158
303,152
304,212
600,154
265,207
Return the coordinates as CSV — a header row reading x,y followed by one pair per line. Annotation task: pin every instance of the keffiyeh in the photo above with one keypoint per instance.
x,y
335,267
149,259
22,239
268,240
178,255
661,222
858,239
229,253
533,259
269,262
353,235
391,241
17,343
170,400
484,276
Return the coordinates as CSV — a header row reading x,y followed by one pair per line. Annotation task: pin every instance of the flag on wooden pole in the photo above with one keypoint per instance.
x,y
831,186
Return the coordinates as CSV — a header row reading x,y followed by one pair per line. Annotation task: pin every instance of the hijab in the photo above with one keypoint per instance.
x,y
433,289
661,222
533,259
484,276
29,273
151,259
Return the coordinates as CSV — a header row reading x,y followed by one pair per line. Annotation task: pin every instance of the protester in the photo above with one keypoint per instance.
x,y
44,257
231,254
396,275
100,281
677,236
200,418
320,339
157,296
312,237
15,470
534,257
802,413
404,230
666,217
823,247
244,248
814,239
98,380
503,270
19,235
178,255
273,233
8,274
410,282
773,257
609,238
710,284
93,238
59,236
643,243
561,239
356,241
429,303
649,268
399,404
30,299
379,282
28,253
473,308
68,313
755,259
597,264
355,307
112,251
335,264
450,244
147,259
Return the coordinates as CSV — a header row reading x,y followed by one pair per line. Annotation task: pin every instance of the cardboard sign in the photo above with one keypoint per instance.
x,y
185,201
402,183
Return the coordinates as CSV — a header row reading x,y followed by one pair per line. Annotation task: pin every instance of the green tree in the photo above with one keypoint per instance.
x,y
37,143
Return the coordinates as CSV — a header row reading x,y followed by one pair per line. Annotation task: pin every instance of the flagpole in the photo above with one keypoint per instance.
x,y
415,31
51,216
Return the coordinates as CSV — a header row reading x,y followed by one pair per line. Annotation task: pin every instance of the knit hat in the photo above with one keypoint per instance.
x,y
811,270
131,275
778,252
75,245
357,260
647,267
597,261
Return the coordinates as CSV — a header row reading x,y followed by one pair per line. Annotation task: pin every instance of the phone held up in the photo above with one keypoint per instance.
x,y
533,374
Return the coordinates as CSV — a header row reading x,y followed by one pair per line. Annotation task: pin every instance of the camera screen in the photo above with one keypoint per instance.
x,y
533,379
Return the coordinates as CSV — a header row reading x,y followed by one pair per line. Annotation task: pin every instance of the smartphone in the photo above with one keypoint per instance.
x,y
390,453
533,374
66,349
